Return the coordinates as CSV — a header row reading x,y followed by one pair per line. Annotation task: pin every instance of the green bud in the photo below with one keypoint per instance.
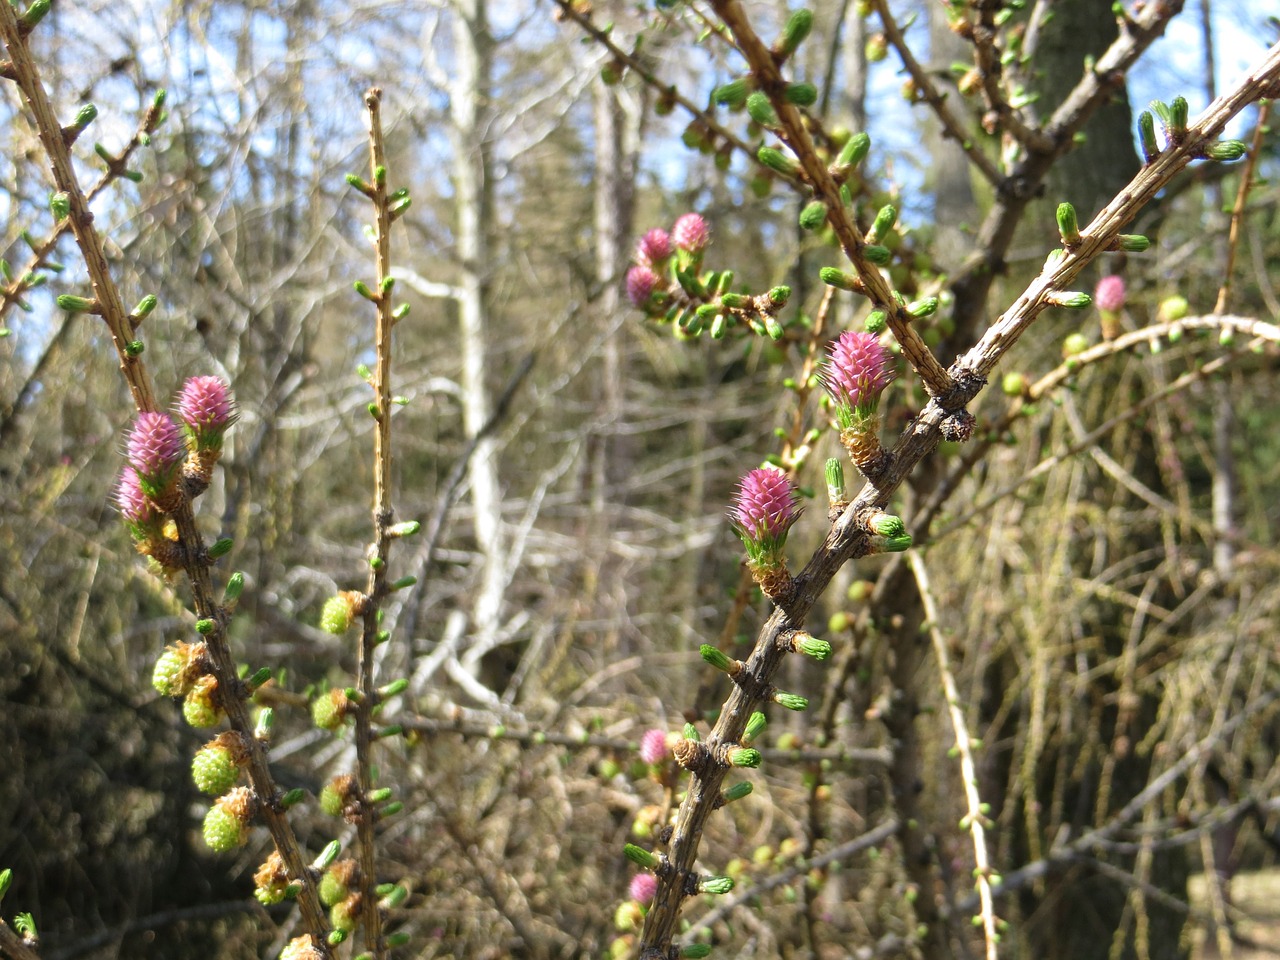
x,y
835,277
1074,345
391,730
812,647
877,254
206,626
779,295
1147,136
732,94
133,176
715,885
25,925
260,676
1013,385
1073,300
923,308
836,491
362,288
144,307
719,659
775,159
1226,337
337,936
73,304
739,790
896,544
60,206
1225,150
695,951
640,856
393,689
400,312
884,222
1133,243
1173,308
404,582
761,110
390,810
359,183
690,732
6,877
875,322
801,94
394,898
134,348
755,726
327,856
854,151
887,525
34,14
266,720
84,116
1067,225
221,547
399,939
1177,118
798,27
772,327
293,797
791,701
744,757
734,301
814,215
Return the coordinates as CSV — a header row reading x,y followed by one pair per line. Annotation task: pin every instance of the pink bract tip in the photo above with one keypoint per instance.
x,y
155,445
858,368
654,247
641,282
765,504
130,499
653,746
1109,294
205,404
643,887
691,233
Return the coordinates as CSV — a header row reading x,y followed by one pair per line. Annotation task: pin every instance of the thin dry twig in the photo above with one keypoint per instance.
x,y
968,769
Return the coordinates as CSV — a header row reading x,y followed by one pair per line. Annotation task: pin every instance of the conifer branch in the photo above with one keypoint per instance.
x,y
943,417
193,555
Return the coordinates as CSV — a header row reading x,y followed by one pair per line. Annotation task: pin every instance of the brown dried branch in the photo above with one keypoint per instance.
x,y
928,90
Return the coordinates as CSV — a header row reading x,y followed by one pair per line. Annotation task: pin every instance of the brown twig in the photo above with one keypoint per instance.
x,y
929,91
116,169
1237,209
968,769
195,560
13,946
383,516
705,117
769,79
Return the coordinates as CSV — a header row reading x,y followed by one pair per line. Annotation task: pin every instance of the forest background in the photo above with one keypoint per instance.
x,y
1102,574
